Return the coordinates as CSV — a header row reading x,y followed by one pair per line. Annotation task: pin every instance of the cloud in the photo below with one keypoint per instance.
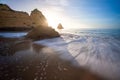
x,y
55,2
55,5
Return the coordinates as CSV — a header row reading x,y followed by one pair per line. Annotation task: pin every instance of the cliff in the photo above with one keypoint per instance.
x,y
5,7
38,18
12,18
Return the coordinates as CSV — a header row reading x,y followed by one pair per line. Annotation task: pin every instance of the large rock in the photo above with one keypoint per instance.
x,y
60,26
5,7
38,18
12,18
42,32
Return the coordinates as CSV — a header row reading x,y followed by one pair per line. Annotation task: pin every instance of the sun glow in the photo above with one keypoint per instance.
x,y
53,19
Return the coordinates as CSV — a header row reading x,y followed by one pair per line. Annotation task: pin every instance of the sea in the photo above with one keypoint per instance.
x,y
95,49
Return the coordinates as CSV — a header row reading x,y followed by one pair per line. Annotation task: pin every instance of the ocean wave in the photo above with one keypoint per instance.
x,y
100,54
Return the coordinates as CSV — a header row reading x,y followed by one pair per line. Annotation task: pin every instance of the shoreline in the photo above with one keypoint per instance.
x,y
33,58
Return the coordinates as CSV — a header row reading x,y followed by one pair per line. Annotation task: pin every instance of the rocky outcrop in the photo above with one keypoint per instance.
x,y
38,18
60,26
42,32
12,18
5,7
41,29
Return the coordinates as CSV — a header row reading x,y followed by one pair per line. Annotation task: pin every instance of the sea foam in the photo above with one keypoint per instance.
x,y
96,52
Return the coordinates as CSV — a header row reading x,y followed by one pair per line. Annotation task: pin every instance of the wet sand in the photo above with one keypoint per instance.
x,y
24,60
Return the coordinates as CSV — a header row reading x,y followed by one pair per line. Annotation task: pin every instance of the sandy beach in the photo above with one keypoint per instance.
x,y
25,60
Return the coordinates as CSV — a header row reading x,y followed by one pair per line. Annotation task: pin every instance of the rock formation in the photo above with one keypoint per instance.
x,y
60,26
16,19
5,7
42,32
11,18
38,18
41,29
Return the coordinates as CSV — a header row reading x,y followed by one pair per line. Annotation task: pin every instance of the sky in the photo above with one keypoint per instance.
x,y
74,13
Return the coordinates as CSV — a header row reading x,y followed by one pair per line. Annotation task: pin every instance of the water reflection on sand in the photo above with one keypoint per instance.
x,y
30,61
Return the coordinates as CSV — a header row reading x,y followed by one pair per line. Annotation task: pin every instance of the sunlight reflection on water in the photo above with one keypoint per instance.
x,y
12,34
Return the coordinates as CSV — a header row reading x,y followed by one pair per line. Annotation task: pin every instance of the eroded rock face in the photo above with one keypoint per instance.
x,y
38,18
42,32
16,19
5,7
11,18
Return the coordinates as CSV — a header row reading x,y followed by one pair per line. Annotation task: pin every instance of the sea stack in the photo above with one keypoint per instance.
x,y
60,26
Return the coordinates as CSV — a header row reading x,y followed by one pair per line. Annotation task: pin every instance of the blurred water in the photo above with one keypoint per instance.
x,y
12,34
95,32
97,50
